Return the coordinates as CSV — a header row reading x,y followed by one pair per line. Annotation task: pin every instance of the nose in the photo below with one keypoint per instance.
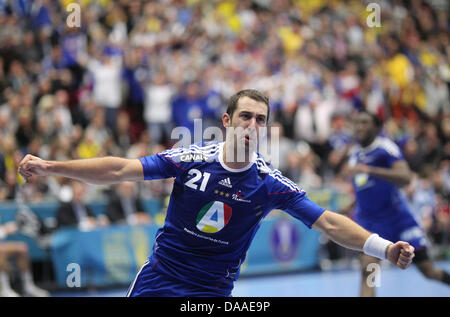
x,y
252,123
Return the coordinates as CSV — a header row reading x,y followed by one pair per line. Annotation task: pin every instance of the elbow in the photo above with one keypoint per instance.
x,y
405,183
405,180
331,230
113,177
327,224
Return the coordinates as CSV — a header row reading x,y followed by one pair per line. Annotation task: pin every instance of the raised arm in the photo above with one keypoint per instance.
x,y
399,173
349,234
99,171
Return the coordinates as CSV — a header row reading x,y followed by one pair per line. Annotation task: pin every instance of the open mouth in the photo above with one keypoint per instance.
x,y
249,140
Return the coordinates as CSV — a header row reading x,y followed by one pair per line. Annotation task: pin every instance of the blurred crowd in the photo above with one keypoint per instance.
x,y
133,70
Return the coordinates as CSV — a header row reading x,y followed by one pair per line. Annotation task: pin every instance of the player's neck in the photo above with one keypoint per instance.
x,y
367,143
232,160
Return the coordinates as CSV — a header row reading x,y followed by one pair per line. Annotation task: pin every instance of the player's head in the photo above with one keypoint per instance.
x,y
367,127
247,110
255,95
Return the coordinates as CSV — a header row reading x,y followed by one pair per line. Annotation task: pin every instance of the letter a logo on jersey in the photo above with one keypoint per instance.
x,y
213,217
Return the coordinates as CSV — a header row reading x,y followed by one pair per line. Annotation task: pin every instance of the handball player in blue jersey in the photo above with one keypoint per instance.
x,y
378,169
216,206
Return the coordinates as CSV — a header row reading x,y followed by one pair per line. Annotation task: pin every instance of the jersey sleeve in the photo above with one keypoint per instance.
x,y
392,152
162,165
286,195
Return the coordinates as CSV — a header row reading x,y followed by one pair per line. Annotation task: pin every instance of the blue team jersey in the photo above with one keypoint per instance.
x,y
380,206
214,213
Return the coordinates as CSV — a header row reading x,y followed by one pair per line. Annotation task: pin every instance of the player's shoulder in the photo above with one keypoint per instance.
x,y
388,145
262,164
195,152
274,176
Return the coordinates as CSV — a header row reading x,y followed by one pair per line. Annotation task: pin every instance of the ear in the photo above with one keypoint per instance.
x,y
226,120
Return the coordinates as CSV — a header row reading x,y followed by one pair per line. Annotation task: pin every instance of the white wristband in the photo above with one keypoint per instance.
x,y
376,246
2,233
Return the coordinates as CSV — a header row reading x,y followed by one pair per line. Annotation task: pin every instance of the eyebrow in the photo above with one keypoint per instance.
x,y
249,112
363,119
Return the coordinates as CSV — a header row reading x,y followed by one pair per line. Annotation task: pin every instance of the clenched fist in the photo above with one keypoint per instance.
x,y
400,254
31,166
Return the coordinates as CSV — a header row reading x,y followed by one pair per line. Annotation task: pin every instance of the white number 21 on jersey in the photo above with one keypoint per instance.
x,y
197,175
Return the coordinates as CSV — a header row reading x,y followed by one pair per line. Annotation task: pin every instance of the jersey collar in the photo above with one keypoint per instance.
x,y
372,145
235,170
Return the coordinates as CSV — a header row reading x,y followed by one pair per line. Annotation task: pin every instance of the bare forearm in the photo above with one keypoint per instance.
x,y
102,170
397,177
342,230
349,234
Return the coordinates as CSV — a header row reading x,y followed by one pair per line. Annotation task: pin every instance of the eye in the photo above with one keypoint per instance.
x,y
261,119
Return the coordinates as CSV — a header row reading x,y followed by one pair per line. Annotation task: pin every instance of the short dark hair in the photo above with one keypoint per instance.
x,y
376,119
251,93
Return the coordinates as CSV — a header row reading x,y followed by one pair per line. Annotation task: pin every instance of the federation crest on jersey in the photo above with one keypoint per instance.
x,y
238,197
213,217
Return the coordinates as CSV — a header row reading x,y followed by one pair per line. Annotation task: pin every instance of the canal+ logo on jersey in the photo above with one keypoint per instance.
x,y
213,217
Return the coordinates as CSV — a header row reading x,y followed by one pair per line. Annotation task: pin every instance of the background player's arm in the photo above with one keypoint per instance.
x,y
398,174
349,234
99,171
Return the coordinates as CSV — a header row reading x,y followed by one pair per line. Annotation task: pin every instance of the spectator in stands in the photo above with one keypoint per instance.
x,y
122,138
107,91
126,207
158,107
8,188
6,124
19,251
76,212
62,117
97,126
25,130
187,106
